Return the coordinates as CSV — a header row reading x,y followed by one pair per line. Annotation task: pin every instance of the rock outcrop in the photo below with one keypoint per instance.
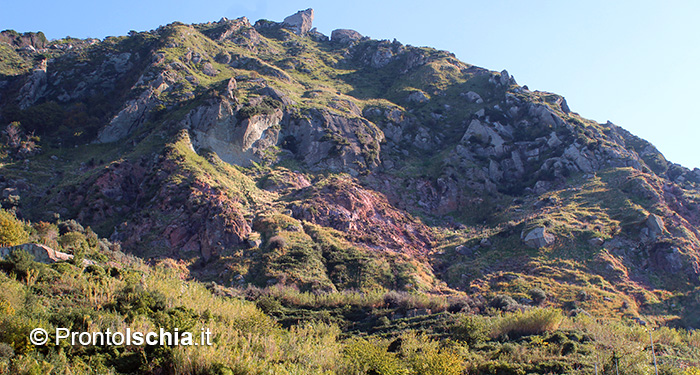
x,y
538,237
345,36
41,253
300,22
655,224
216,127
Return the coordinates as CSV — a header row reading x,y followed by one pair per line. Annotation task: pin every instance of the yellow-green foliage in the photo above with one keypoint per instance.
x,y
11,62
528,322
427,357
246,340
472,329
143,299
365,356
410,354
12,230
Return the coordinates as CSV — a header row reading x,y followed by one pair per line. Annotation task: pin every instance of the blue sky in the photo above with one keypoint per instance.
x,y
631,62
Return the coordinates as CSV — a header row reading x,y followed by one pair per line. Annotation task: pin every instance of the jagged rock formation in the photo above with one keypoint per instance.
x,y
300,22
345,36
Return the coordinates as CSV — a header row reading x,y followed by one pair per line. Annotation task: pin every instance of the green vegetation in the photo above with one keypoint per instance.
x,y
12,231
398,250
246,340
11,63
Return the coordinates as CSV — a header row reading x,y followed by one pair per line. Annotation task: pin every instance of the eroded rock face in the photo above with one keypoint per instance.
x,y
673,260
478,132
33,89
135,112
365,215
327,140
217,128
202,220
473,97
300,22
425,149
321,139
417,97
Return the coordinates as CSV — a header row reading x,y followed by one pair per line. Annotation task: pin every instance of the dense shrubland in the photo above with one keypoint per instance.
x,y
284,331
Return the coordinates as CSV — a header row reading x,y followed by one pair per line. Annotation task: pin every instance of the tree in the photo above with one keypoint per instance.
x,y
11,229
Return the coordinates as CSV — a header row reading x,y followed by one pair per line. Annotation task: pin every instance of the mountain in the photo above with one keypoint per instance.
x,y
270,155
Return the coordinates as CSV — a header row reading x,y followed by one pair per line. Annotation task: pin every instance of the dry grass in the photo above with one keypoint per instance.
x,y
528,322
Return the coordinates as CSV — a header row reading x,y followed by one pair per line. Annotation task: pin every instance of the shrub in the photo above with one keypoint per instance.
x,y
11,229
503,302
530,322
72,240
427,357
538,295
394,299
471,329
46,233
277,242
70,226
371,357
582,295
22,262
6,351
95,270
458,304
569,347
266,107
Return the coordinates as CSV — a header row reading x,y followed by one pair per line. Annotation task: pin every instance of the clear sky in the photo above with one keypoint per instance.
x,y
631,62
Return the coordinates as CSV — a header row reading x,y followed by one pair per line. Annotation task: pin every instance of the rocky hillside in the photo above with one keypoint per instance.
x,y
271,154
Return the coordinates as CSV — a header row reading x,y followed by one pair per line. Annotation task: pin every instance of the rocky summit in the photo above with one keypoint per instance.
x,y
269,155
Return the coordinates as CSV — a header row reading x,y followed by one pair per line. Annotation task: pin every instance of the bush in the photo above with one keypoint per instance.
x,y
95,270
6,351
530,322
394,299
70,226
471,329
277,242
569,347
22,262
72,240
427,357
503,302
266,107
46,233
371,357
11,229
538,295
458,303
